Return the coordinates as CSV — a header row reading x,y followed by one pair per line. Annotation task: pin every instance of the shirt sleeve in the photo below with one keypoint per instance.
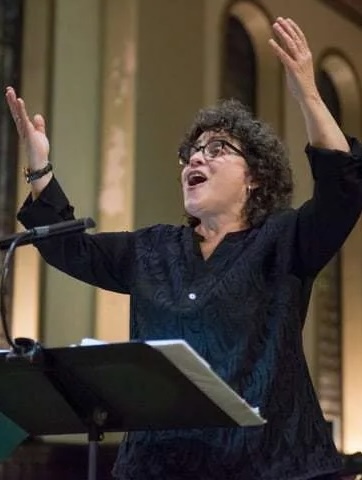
x,y
103,259
324,222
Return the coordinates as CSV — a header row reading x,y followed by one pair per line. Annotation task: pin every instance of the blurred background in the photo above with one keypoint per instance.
x,y
118,82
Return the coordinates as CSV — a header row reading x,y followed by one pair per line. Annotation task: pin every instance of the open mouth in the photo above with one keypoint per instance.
x,y
195,178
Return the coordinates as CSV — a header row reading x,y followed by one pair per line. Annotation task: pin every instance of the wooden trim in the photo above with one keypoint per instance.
x,y
352,9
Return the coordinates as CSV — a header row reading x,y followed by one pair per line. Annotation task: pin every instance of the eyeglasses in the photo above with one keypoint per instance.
x,y
211,150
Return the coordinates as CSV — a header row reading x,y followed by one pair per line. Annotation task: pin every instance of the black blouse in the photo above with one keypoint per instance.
x,y
243,310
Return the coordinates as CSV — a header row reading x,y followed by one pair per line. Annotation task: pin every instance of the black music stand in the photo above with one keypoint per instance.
x,y
105,388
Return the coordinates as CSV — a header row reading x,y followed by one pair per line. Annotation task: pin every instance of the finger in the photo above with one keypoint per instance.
x,y
39,123
12,103
282,26
297,30
281,53
17,114
288,27
17,109
10,92
24,120
22,110
286,39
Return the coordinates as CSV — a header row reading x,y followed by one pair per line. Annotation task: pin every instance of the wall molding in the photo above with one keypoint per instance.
x,y
352,9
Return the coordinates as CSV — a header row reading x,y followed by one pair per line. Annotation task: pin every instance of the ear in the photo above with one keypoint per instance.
x,y
251,184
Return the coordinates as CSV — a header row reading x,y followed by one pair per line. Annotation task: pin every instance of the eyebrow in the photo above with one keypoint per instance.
x,y
218,137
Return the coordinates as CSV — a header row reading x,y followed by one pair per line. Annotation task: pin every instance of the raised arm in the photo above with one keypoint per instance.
x,y
324,221
103,259
296,57
32,134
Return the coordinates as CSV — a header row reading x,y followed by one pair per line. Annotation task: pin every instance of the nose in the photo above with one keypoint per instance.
x,y
197,158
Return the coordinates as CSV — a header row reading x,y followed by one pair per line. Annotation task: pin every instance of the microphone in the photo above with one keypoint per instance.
x,y
25,347
37,233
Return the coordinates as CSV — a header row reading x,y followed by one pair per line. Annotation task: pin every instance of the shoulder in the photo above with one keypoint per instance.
x,y
280,222
276,234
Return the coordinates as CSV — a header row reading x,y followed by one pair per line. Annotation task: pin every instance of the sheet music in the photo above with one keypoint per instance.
x,y
191,364
194,367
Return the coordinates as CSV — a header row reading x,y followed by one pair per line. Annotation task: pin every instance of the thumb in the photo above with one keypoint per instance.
x,y
39,123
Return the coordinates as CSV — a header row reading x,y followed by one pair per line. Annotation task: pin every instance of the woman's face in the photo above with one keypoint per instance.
x,y
215,186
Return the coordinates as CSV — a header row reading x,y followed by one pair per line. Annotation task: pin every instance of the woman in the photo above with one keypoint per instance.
x,y
235,283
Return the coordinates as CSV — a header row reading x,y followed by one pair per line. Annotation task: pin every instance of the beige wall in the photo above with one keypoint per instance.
x,y
61,80
116,161
169,91
126,78
74,131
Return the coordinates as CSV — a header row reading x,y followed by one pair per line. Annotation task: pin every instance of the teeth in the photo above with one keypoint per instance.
x,y
196,177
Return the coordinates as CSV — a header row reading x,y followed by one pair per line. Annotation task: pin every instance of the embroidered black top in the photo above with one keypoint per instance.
x,y
244,316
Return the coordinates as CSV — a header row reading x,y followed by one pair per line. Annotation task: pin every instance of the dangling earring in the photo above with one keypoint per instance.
x,y
249,190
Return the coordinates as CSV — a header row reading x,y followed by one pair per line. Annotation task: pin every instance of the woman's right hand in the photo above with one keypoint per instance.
x,y
31,132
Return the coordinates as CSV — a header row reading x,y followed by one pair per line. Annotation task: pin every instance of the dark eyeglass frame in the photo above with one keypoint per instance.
x,y
194,149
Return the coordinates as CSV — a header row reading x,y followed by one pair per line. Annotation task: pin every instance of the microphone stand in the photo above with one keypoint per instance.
x,y
26,347
21,346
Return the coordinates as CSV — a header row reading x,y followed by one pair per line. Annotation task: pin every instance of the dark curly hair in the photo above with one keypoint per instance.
x,y
264,153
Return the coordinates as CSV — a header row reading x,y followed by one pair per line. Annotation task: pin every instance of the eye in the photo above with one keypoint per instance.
x,y
184,155
192,150
214,148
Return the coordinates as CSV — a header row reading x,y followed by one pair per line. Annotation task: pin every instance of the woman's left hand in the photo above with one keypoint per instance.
x,y
296,57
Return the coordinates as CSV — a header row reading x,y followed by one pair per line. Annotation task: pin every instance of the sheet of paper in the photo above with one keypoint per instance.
x,y
191,364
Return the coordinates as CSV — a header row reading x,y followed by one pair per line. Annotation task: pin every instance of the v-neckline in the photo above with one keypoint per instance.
x,y
230,237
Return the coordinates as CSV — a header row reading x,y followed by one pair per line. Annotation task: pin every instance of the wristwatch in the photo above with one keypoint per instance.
x,y
31,175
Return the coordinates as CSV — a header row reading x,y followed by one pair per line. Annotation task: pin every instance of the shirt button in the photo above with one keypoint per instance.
x,y
192,296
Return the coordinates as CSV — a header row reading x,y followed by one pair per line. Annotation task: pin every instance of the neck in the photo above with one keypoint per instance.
x,y
212,228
